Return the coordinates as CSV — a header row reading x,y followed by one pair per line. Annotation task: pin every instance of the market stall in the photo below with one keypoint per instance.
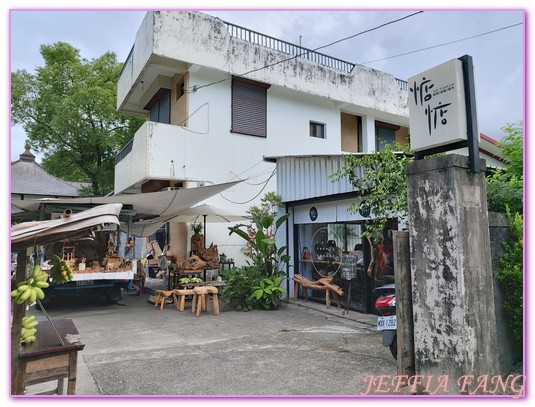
x,y
52,348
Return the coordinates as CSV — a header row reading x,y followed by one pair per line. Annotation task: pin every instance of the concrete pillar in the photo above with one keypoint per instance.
x,y
453,296
368,134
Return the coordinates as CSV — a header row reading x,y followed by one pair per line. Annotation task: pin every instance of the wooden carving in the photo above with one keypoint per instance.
x,y
210,256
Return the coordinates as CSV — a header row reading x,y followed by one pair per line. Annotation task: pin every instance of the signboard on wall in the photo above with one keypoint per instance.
x,y
437,110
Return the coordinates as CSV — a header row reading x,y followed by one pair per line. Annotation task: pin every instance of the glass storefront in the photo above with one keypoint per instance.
x,y
340,251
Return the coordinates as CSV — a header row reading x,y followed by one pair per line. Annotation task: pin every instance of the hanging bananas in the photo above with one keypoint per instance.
x,y
61,271
29,328
31,289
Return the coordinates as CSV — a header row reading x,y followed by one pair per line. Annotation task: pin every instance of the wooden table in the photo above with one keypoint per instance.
x,y
46,359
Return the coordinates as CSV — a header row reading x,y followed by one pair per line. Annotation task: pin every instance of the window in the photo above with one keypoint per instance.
x,y
317,130
249,107
160,106
385,133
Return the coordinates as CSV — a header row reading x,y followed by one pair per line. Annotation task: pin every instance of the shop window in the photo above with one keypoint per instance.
x,y
335,250
160,106
249,107
317,129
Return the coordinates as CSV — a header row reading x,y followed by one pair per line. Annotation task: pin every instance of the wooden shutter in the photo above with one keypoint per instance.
x,y
249,107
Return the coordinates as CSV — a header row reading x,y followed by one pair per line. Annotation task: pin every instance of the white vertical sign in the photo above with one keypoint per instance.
x,y
437,110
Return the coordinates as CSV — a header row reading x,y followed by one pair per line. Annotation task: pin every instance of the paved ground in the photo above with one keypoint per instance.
x,y
133,348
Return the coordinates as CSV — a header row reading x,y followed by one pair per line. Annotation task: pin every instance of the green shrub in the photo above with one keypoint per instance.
x,y
510,278
239,286
268,293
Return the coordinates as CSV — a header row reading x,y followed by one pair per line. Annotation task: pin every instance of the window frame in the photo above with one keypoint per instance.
x,y
249,107
156,103
315,125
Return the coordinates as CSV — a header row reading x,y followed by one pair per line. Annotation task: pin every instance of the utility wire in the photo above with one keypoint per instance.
x,y
254,197
441,45
197,87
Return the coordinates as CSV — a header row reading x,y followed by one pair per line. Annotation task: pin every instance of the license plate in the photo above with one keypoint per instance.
x,y
384,323
83,283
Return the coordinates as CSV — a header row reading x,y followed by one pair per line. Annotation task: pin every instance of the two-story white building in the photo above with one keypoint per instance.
x,y
223,103
219,98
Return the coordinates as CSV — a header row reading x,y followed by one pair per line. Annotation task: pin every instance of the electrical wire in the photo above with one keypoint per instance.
x,y
254,197
195,88
441,45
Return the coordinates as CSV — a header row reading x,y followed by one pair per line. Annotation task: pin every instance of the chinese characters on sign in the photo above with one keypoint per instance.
x,y
423,92
437,106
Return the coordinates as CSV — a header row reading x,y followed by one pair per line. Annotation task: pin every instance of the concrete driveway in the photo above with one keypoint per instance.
x,y
301,349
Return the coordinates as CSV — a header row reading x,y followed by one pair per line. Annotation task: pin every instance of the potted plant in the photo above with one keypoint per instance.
x,y
197,239
197,228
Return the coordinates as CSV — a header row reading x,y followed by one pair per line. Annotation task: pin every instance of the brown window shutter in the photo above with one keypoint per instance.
x,y
249,107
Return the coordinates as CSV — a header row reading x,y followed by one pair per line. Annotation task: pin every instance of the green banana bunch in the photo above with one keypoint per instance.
x,y
31,289
29,329
60,271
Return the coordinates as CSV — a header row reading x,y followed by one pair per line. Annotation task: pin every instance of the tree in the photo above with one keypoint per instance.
x,y
505,188
383,187
68,112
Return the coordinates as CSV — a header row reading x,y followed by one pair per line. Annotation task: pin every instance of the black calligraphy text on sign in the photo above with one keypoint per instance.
x,y
423,92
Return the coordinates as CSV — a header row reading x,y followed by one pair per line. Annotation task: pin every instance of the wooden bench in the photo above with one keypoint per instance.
x,y
323,284
162,296
202,296
179,296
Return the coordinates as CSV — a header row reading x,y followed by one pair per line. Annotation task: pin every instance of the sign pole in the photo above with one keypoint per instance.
x,y
471,114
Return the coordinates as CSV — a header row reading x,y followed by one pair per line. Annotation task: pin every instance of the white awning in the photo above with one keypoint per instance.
x,y
158,207
30,233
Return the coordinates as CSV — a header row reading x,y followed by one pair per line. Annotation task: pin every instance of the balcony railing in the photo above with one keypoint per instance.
x,y
296,51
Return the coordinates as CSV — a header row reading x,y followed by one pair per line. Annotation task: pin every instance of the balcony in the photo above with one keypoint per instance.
x,y
157,152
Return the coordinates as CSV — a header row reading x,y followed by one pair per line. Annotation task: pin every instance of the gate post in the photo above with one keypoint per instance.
x,y
405,335
453,300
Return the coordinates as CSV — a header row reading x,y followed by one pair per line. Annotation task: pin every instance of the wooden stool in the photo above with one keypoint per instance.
x,y
161,296
202,295
179,297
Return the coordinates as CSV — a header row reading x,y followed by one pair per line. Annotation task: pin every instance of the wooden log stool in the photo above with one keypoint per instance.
x,y
161,297
179,297
202,295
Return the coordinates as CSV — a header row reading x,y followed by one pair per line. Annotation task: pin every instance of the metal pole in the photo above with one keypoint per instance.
x,y
471,113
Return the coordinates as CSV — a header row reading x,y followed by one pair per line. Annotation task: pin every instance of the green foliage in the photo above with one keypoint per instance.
x,y
510,277
239,283
268,293
505,188
265,254
68,110
383,186
268,205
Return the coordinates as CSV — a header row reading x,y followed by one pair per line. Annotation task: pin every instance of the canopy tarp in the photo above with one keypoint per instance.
x,y
79,224
151,209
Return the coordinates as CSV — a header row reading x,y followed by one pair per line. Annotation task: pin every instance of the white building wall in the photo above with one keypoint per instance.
x,y
206,151
196,39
